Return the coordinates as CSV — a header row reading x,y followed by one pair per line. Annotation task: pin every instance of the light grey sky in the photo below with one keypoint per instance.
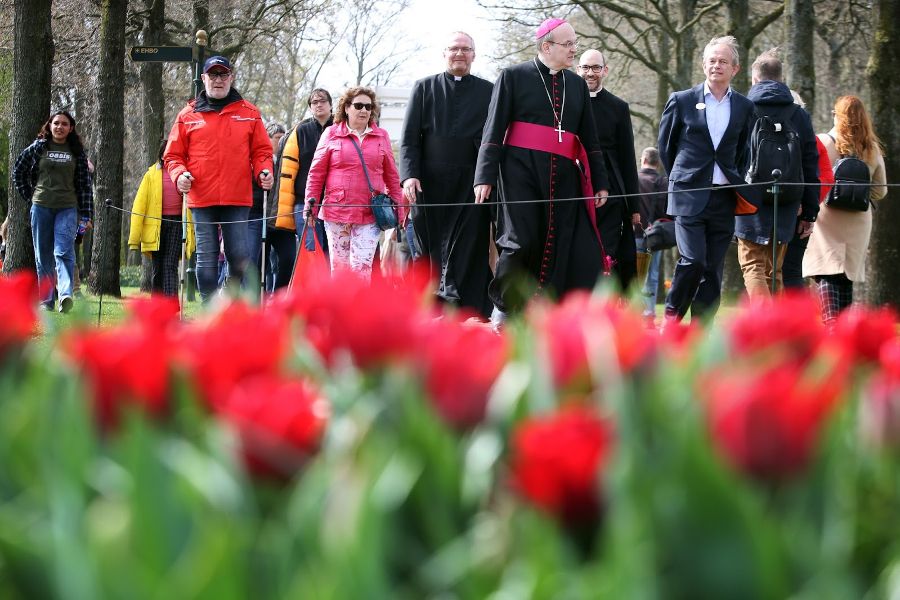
x,y
429,22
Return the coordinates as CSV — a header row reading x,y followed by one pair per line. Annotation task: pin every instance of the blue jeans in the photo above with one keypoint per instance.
x,y
652,283
53,231
234,239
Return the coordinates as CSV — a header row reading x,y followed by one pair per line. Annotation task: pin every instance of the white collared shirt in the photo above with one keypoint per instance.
x,y
718,114
361,135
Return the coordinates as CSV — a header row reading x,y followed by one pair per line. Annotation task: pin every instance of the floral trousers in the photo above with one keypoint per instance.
x,y
352,246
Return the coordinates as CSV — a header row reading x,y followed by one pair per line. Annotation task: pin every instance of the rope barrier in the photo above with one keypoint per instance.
x,y
294,213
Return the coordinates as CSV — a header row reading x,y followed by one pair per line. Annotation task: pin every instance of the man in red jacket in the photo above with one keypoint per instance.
x,y
217,146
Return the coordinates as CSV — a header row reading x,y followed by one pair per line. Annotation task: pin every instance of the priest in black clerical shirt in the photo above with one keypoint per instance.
x,y
539,123
617,219
438,148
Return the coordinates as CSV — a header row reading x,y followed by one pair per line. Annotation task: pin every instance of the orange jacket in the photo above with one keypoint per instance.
x,y
224,151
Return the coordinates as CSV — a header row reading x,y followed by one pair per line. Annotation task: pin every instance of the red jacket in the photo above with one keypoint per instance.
x,y
224,152
336,166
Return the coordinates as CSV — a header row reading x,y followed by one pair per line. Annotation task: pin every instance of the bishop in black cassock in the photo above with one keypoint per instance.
x,y
617,218
553,244
438,148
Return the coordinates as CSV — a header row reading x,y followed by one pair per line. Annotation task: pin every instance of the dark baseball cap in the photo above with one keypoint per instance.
x,y
216,61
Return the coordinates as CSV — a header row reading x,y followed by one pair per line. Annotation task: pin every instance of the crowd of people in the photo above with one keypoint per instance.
x,y
522,187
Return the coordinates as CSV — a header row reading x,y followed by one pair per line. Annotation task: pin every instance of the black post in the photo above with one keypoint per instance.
x,y
776,189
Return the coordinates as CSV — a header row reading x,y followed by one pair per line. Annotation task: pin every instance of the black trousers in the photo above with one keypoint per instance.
x,y
165,260
702,243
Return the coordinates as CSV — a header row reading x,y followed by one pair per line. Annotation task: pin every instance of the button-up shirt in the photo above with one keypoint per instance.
x,y
718,114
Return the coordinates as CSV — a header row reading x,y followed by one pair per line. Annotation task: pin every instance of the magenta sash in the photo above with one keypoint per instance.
x,y
543,138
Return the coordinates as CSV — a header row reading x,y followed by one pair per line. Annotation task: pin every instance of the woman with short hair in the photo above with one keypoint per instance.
x,y
836,255
349,223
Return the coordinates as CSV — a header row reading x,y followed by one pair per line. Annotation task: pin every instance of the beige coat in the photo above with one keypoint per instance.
x,y
840,238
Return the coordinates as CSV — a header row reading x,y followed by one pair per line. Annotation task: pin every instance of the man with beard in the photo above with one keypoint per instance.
x,y
217,147
539,123
438,148
615,220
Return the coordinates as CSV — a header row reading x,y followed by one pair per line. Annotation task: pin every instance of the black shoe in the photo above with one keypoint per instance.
x,y
48,306
65,304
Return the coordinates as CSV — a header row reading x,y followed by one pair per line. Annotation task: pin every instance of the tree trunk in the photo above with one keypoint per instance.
x,y
686,59
32,65
882,275
801,75
153,104
107,248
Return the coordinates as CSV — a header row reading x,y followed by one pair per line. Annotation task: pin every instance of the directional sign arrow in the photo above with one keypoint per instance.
x,y
162,53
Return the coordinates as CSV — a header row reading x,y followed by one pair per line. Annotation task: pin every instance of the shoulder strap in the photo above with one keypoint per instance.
x,y
363,161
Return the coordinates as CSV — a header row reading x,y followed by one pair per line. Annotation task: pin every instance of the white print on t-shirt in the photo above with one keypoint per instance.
x,y
60,156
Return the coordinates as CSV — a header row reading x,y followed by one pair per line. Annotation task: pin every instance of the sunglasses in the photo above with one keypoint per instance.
x,y
361,106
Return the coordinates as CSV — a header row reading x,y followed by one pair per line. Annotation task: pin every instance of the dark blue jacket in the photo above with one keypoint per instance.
x,y
758,227
687,151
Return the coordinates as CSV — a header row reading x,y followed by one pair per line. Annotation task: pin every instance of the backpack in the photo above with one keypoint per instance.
x,y
849,170
775,144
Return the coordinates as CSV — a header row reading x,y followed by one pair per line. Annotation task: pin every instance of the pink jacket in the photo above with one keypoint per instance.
x,y
336,166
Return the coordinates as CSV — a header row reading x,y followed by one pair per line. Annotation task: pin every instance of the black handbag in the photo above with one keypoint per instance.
x,y
383,206
660,235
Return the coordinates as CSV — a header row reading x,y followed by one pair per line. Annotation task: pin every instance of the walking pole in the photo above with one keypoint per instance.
x,y
262,262
103,243
183,278
776,175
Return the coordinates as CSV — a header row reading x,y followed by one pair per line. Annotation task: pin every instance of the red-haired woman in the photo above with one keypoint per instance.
x,y
836,256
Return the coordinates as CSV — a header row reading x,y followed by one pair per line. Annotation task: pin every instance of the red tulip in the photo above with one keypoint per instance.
x,y
862,331
18,299
374,322
557,461
767,423
460,363
280,423
580,327
236,343
789,325
126,366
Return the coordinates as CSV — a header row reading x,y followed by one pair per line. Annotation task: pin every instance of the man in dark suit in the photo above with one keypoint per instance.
x,y
617,218
704,138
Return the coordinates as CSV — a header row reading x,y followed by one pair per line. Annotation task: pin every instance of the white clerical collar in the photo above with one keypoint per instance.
x,y
457,78
595,94
552,71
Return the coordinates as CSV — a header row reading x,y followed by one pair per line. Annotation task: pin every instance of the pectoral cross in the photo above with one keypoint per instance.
x,y
559,131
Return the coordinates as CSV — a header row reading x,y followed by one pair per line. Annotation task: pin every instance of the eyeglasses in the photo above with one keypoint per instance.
x,y
594,68
219,75
567,45
362,105
458,50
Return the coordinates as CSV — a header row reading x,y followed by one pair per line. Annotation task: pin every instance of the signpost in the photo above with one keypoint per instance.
x,y
162,53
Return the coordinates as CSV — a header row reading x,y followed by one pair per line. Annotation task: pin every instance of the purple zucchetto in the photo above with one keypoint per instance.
x,y
548,26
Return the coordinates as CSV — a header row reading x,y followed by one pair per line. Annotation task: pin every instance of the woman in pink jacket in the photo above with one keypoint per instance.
x,y
336,167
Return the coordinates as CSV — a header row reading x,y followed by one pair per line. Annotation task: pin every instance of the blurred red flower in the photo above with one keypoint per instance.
x,y
460,363
237,342
766,422
18,302
581,326
126,366
280,423
880,407
374,322
862,331
790,325
557,460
